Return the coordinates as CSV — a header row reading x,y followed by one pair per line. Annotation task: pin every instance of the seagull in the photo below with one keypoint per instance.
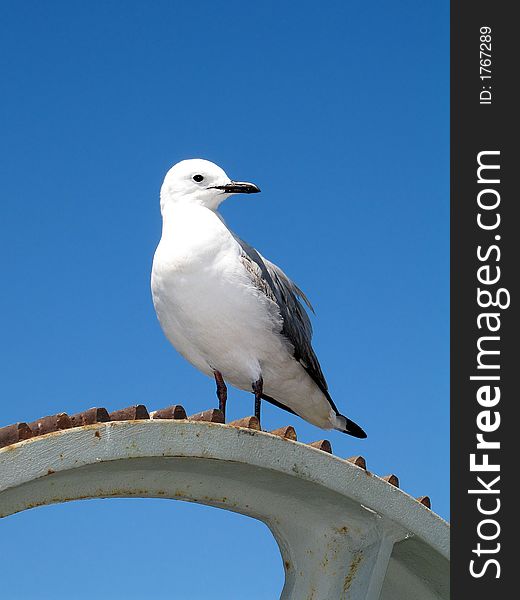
x,y
229,311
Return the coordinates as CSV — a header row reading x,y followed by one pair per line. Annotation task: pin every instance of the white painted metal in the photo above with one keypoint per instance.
x,y
342,532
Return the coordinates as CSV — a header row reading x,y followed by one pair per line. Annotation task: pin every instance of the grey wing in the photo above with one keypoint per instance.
x,y
296,327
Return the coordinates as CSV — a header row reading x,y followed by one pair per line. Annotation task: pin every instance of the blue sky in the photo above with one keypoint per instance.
x,y
339,112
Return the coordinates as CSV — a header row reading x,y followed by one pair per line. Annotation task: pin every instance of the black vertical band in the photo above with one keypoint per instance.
x,y
485,268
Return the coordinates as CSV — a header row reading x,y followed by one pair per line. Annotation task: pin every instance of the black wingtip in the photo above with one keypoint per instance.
x,y
354,429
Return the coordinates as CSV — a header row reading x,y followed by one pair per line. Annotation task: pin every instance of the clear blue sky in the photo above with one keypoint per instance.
x,y
339,111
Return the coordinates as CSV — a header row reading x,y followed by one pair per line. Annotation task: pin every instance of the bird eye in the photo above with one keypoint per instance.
x,y
198,178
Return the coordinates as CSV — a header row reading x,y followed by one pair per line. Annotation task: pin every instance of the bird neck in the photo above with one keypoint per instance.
x,y
189,218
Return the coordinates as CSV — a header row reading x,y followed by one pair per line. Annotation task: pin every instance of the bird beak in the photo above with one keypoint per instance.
x,y
238,187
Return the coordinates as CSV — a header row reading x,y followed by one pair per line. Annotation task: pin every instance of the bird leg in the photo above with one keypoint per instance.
x,y
258,389
221,392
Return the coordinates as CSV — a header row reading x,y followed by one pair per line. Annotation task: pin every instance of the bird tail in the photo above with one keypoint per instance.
x,y
347,426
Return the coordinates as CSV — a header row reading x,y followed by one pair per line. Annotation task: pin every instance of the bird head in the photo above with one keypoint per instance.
x,y
198,181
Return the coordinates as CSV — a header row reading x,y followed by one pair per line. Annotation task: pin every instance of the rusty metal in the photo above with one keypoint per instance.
x,y
324,445
21,431
392,480
89,417
359,461
176,411
14,433
218,466
249,422
50,423
288,432
425,501
130,413
213,415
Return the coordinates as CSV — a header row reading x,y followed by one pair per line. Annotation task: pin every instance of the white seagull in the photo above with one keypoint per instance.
x,y
229,311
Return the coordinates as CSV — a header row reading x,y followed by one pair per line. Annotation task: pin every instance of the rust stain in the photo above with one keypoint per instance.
x,y
287,565
286,433
359,461
214,500
391,479
325,561
138,412
323,445
247,422
296,469
97,434
425,501
246,431
50,472
354,566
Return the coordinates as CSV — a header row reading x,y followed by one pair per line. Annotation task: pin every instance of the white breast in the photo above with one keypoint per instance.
x,y
205,301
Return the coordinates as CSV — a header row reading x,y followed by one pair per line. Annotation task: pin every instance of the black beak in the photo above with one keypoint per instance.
x,y
238,187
